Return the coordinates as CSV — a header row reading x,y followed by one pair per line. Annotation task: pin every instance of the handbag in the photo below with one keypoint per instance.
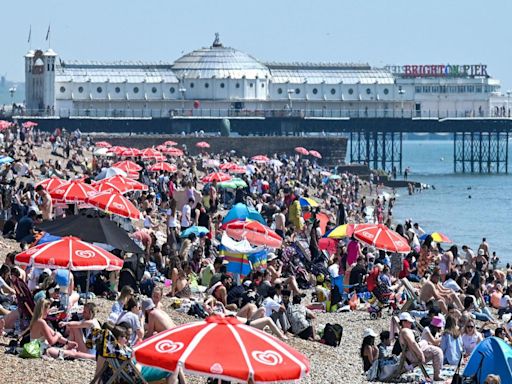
x,y
457,378
31,350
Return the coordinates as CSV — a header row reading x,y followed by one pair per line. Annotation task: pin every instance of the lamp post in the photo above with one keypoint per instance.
x,y
509,92
12,92
290,92
182,90
401,92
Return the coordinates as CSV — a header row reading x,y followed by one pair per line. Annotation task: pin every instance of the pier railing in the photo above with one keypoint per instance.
x,y
255,113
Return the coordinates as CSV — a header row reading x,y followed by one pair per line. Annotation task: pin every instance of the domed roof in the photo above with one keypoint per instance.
x,y
219,62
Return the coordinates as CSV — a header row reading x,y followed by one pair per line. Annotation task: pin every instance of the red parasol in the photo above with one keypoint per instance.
x,y
117,150
227,166
260,159
381,237
170,143
29,124
115,203
121,184
51,183
223,348
150,153
239,169
322,217
315,154
302,151
5,124
73,192
162,167
330,245
69,253
131,152
103,144
254,232
216,176
128,166
202,144
175,152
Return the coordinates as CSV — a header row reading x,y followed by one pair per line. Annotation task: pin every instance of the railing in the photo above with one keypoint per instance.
x,y
246,113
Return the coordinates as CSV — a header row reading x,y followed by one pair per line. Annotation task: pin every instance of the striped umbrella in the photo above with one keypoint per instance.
x,y
73,192
131,152
170,143
52,183
315,154
302,151
260,159
102,144
175,152
216,176
121,184
150,153
162,166
115,203
128,166
202,144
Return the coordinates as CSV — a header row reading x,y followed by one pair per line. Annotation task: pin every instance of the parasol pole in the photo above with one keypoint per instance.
x,y
87,286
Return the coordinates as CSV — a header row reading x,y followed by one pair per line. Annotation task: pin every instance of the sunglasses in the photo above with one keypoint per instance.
x,y
470,326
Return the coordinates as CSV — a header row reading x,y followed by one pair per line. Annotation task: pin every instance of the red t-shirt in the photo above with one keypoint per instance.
x,y
371,280
405,270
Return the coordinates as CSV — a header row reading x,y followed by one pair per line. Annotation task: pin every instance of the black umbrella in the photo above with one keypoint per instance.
x,y
93,230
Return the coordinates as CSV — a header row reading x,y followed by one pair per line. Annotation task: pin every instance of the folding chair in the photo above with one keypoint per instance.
x,y
400,369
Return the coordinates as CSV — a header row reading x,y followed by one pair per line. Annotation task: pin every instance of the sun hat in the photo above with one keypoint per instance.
x,y
437,321
481,252
147,304
369,332
271,256
406,316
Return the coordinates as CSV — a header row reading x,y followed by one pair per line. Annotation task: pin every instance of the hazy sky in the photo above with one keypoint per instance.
x,y
379,32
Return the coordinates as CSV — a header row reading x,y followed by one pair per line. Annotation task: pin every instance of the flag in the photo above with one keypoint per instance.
x,y
258,260
48,33
29,34
237,262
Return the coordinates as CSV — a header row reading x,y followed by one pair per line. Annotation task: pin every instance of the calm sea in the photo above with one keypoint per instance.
x,y
449,208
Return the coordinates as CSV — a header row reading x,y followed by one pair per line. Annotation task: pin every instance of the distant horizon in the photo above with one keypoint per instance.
x,y
398,33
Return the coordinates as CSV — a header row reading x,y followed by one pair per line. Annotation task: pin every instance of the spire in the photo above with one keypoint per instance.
x,y
216,42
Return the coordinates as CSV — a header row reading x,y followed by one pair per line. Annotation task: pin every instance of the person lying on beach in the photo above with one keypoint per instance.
x,y
433,290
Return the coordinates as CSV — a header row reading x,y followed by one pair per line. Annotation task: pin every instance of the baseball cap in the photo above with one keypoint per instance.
x,y
406,316
437,321
147,304
271,256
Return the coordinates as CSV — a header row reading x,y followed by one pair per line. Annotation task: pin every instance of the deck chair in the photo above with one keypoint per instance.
x,y
400,369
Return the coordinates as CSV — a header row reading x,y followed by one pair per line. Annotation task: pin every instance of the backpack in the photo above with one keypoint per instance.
x,y
332,334
336,295
198,311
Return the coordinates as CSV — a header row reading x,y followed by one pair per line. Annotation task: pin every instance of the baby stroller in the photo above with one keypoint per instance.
x,y
382,297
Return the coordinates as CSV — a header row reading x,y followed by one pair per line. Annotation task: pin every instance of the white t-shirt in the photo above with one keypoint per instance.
x,y
450,283
171,220
185,214
504,301
334,271
270,306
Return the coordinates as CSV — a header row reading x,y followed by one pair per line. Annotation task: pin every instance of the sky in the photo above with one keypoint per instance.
x,y
378,32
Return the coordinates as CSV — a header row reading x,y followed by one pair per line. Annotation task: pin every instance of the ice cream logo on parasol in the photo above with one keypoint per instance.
x,y
59,191
118,205
399,243
216,369
168,346
267,357
51,262
31,251
85,254
91,193
368,235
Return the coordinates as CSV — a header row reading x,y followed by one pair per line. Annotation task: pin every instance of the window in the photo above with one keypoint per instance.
x,y
333,91
237,85
297,91
222,85
350,91
426,89
251,85
191,85
172,90
315,91
262,85
386,91
206,85
460,89
117,89
99,89
62,89
80,89
417,89
368,91
135,89
280,90
153,90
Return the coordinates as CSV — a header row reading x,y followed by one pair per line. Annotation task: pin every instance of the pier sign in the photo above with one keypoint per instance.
x,y
440,70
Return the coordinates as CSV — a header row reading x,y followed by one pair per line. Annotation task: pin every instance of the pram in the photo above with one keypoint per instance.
x,y
382,297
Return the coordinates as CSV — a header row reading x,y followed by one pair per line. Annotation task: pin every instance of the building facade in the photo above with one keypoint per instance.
x,y
219,81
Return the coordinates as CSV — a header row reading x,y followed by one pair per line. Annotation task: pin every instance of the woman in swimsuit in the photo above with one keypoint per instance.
x,y
40,330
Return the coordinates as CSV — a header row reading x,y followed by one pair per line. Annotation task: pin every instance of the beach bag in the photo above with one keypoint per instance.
x,y
333,334
457,378
31,350
388,367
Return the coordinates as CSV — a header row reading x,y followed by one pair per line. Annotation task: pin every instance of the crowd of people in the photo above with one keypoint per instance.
x,y
455,289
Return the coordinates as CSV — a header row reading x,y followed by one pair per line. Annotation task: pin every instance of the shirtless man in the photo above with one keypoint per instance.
x,y
157,320
421,352
433,290
46,205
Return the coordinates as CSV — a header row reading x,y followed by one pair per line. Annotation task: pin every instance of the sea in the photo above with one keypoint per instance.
x,y
465,207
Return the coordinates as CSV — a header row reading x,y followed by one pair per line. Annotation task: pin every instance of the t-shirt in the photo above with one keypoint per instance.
x,y
405,269
296,314
270,306
2,283
334,270
24,228
185,214
356,274
171,221
132,319
452,284
352,252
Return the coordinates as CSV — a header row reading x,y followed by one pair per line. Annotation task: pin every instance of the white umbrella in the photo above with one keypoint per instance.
x,y
276,163
103,152
109,172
